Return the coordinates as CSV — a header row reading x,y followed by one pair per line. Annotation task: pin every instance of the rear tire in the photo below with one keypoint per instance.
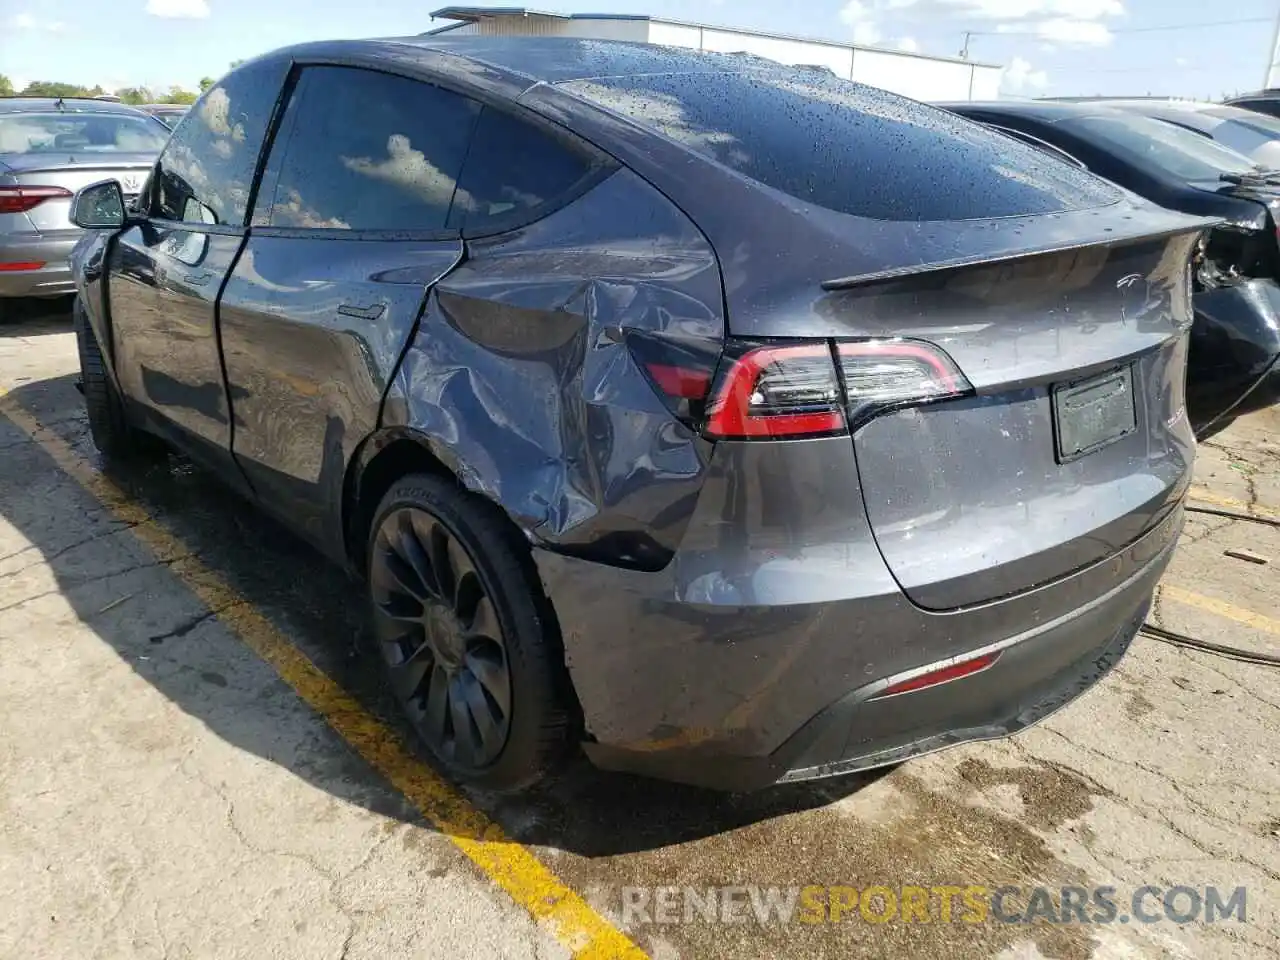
x,y
466,637
113,435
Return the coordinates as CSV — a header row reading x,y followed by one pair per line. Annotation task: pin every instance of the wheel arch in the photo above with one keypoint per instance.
x,y
381,460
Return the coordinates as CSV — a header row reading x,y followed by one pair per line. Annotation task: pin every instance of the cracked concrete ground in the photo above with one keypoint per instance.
x,y
164,794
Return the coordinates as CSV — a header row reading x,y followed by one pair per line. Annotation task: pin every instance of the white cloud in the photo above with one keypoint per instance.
x,y
179,9
1017,9
862,19
1019,77
907,44
867,32
1085,33
1068,22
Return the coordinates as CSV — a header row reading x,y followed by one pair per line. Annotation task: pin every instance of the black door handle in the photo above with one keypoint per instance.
x,y
372,312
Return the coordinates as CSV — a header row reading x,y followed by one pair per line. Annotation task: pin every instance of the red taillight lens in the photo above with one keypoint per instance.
x,y
685,383
773,392
955,671
20,199
887,373
680,370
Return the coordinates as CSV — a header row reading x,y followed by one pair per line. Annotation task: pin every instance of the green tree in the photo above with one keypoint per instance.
x,y
236,63
206,83
135,95
48,88
6,86
177,95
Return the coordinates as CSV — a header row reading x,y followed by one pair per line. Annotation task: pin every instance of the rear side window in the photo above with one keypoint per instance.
x,y
207,167
362,150
1154,144
848,147
512,169
89,133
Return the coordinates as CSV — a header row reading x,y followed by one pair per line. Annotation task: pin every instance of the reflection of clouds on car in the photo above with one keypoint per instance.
x,y
410,169
291,211
659,109
215,113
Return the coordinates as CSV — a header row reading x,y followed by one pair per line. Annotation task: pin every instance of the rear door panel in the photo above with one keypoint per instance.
x,y
312,331
348,237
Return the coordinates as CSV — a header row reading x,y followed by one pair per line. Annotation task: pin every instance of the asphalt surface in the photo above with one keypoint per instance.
x,y
196,759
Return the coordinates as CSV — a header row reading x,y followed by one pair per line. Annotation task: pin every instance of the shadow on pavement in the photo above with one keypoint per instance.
x,y
585,812
32,316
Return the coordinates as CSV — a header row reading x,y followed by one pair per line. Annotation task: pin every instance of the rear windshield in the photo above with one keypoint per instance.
x,y
848,147
80,133
1181,153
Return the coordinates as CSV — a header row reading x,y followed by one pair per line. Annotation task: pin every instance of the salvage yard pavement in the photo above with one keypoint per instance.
x,y
196,761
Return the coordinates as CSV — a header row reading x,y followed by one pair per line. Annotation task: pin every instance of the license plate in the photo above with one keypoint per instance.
x,y
1089,414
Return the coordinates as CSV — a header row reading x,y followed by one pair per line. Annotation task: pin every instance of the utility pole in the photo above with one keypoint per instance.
x,y
964,51
1271,54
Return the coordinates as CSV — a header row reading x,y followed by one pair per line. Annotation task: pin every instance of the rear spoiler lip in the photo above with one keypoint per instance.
x,y
1190,225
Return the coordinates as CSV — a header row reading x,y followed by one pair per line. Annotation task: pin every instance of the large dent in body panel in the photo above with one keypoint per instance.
x,y
521,379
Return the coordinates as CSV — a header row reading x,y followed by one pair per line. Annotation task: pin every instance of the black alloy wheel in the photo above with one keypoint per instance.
x,y
440,638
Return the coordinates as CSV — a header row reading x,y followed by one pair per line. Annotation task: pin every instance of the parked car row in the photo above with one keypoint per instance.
x,y
1186,156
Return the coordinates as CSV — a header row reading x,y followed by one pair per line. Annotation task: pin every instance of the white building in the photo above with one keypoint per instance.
x,y
911,74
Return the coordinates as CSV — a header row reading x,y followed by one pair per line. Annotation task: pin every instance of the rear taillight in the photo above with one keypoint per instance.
x,y
797,390
879,374
773,392
20,199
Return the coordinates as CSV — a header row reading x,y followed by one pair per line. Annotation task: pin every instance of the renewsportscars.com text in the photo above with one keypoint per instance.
x,y
814,904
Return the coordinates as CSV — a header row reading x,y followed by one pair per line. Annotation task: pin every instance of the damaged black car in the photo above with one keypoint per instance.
x,y
1234,364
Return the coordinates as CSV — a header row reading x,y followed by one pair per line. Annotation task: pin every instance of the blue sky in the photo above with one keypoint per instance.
x,y
1054,47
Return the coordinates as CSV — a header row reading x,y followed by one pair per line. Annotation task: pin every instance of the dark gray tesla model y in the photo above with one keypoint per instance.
x,y
733,422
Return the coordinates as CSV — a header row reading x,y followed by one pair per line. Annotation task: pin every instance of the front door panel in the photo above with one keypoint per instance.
x,y
312,332
164,285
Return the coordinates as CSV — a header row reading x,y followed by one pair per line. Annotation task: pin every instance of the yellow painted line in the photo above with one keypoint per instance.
x,y
1199,495
561,911
1221,608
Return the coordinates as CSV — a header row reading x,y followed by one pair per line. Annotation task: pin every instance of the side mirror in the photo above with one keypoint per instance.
x,y
99,206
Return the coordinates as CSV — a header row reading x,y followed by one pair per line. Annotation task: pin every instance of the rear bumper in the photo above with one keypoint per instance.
x,y
52,250
741,696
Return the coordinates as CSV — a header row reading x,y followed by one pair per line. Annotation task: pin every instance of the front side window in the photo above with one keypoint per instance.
x,y
206,171
512,168
82,135
362,150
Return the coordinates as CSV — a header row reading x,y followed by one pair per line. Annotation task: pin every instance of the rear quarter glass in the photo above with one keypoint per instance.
x,y
847,147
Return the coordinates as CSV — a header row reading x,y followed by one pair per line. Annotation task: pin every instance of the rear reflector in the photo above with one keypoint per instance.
x,y
955,671
15,265
20,199
775,392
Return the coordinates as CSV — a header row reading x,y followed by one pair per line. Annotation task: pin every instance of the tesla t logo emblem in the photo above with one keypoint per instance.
x,y
130,183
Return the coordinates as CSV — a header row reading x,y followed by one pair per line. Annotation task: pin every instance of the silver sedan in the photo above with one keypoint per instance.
x,y
49,148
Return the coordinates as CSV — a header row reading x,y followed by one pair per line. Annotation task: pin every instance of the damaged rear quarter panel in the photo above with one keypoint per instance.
x,y
520,379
